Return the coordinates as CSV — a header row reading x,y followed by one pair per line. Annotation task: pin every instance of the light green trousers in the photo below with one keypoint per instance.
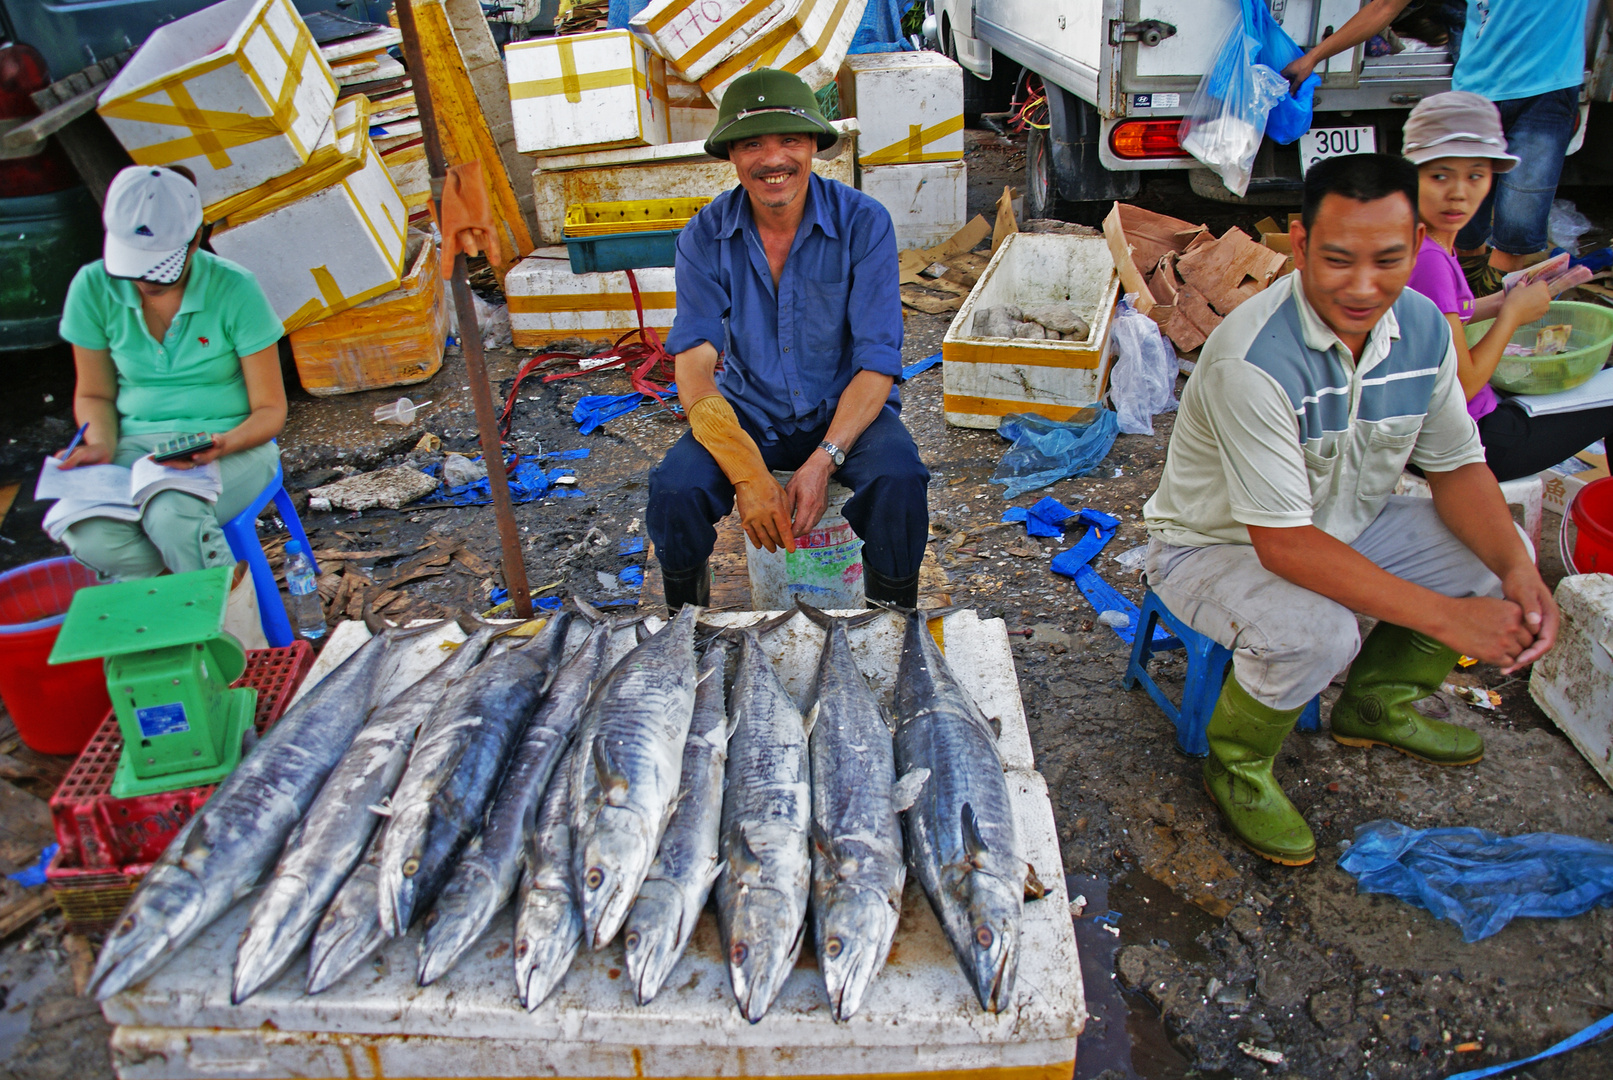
x,y
177,532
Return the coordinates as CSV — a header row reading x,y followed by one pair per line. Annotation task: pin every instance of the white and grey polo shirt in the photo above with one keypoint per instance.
x,y
1280,426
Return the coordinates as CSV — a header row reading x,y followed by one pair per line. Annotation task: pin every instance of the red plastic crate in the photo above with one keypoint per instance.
x,y
101,834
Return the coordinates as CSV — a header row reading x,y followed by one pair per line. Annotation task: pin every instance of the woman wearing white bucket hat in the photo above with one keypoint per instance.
x,y
169,340
1456,142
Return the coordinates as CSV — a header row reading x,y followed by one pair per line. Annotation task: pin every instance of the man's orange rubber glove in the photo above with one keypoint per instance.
x,y
764,509
467,218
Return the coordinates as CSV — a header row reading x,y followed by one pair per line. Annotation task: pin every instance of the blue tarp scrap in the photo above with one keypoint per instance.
x,y
1583,1037
527,479
1101,529
632,575
30,876
1047,451
567,455
920,366
539,603
1477,879
1046,518
592,411
633,545
881,28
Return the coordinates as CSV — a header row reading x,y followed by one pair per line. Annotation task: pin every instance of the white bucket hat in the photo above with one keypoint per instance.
x,y
151,216
1456,124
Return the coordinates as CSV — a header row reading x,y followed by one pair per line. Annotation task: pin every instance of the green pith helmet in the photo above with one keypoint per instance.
x,y
768,102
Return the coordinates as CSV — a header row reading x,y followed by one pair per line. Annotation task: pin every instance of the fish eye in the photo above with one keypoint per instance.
x,y
522,947
410,866
431,920
832,948
983,937
594,878
631,940
738,953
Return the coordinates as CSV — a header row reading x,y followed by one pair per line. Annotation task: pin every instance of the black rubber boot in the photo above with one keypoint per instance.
x,y
687,587
892,592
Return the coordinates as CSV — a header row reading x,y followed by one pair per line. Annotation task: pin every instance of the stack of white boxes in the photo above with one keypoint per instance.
x,y
910,108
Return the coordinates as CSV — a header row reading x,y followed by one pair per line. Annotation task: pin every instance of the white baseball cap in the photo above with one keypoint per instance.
x,y
151,216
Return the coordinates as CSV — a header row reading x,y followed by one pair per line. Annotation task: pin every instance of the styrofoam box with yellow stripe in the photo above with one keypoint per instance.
x,y
810,42
237,93
690,114
320,251
601,90
928,202
910,106
985,379
549,303
673,171
696,35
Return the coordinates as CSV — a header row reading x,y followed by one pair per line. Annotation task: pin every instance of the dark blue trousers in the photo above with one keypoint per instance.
x,y
889,509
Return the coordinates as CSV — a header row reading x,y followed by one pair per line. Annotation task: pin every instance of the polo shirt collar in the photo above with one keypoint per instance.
x,y
1319,336
737,214
195,298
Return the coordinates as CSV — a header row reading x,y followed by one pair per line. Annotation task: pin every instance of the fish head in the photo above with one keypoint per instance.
x,y
159,915
854,927
271,936
342,941
402,851
761,948
650,939
546,939
611,864
994,908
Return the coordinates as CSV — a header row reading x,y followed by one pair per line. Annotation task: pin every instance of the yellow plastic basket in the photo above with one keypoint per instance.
x,y
638,215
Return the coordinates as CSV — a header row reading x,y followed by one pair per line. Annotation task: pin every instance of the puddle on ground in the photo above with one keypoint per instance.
x,y
1124,1032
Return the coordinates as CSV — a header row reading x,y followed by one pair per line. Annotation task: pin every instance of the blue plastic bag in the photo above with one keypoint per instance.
x,y
1046,451
1477,879
1244,97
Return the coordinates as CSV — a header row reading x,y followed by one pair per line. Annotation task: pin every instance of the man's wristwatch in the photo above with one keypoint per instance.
x,y
836,455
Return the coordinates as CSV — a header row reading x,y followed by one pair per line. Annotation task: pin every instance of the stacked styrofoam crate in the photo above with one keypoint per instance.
x,y
910,108
593,91
549,303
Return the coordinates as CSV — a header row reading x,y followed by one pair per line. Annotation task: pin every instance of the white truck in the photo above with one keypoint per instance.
x,y
1119,74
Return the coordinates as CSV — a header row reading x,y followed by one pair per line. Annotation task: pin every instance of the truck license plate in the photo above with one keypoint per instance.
x,y
1319,143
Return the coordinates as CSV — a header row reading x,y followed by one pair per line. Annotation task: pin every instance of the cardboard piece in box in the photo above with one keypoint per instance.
x,y
1276,237
1561,487
1228,270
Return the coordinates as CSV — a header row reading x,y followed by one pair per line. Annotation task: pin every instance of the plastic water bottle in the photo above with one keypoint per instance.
x,y
306,614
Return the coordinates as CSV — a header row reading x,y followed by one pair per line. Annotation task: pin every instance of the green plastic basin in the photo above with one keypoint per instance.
x,y
1588,348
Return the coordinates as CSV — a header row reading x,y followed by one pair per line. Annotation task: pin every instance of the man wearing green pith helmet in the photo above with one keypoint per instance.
x,y
789,280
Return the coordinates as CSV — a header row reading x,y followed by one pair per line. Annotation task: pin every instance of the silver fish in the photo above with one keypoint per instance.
x,y
351,927
767,804
487,873
224,851
456,765
680,879
548,925
857,867
336,831
960,829
625,778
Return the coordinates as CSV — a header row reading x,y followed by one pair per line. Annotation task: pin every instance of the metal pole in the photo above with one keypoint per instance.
x,y
470,336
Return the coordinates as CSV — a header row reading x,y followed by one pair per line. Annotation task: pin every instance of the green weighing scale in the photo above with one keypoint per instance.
x,y
169,666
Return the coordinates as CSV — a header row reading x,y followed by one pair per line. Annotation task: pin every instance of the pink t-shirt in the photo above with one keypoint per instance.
x,y
1439,277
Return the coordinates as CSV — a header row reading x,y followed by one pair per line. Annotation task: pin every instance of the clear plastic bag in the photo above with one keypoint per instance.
x,y
1046,451
1566,225
1144,378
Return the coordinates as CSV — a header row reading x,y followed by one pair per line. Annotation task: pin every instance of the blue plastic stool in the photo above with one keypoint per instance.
x,y
1206,671
241,532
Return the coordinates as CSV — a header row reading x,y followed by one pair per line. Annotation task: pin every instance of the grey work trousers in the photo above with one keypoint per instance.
x,y
1288,642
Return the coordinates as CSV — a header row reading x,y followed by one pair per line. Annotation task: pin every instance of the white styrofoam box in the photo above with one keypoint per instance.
x,y
690,114
411,172
928,203
810,41
329,250
1561,486
1525,497
237,93
599,90
985,379
1573,683
696,35
674,171
920,1015
549,303
910,106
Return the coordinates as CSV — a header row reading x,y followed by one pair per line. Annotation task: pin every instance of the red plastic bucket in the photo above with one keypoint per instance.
x,y
56,708
1592,511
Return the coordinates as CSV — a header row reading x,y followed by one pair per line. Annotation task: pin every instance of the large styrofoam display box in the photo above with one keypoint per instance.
x,y
927,203
237,93
549,303
1573,683
696,35
987,378
810,41
318,250
579,91
910,106
690,114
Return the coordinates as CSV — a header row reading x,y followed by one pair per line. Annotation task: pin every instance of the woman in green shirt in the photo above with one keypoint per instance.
x,y
168,340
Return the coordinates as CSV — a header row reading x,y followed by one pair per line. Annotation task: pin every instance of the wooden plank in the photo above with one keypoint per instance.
x,y
23,910
48,123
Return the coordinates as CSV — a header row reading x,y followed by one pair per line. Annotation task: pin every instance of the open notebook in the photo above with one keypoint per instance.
x,y
112,491
1587,395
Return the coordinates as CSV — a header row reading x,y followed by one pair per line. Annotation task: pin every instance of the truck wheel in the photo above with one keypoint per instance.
x,y
1041,192
1063,175
1206,184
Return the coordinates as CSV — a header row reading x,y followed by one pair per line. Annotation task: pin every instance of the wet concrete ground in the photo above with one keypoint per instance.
x,y
1191,946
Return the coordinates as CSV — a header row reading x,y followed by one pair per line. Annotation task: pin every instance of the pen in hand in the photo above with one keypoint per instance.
x,y
78,437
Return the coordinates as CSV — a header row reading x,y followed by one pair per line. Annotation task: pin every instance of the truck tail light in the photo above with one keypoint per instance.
x,y
1140,139
23,72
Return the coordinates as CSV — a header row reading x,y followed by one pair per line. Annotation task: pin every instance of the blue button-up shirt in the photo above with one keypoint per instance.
x,y
788,352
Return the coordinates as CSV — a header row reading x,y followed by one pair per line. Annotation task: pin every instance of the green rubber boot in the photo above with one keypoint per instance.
x,y
1244,737
1394,668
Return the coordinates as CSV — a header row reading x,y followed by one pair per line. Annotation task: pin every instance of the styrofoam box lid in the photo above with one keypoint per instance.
x,y
174,45
861,63
1044,268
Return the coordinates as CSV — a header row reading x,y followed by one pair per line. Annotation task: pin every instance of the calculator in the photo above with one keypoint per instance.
x,y
183,446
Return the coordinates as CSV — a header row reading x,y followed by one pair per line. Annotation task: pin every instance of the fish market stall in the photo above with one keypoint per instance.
x,y
920,1015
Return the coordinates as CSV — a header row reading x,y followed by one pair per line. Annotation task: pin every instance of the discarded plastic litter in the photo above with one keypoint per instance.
x,y
459,470
632,575
400,412
1585,1035
1046,518
1133,560
34,874
1565,225
919,366
631,546
1143,381
1477,879
1047,451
